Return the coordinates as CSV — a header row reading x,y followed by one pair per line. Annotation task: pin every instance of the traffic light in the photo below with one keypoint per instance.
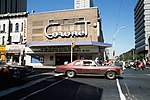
x,y
73,44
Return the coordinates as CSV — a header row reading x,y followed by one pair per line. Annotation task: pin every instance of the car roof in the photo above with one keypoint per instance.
x,y
83,60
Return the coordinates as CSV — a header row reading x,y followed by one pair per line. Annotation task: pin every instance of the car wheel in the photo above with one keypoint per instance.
x,y
111,75
70,73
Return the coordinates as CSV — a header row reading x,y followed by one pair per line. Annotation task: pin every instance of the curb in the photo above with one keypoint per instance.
x,y
45,67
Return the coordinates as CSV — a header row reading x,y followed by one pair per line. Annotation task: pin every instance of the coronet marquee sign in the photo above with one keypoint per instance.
x,y
64,34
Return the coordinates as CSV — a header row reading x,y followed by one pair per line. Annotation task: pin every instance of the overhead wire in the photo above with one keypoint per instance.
x,y
118,18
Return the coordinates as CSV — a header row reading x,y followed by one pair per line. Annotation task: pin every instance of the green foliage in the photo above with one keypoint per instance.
x,y
139,56
131,57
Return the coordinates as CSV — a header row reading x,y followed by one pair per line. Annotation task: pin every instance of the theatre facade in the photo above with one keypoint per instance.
x,y
57,37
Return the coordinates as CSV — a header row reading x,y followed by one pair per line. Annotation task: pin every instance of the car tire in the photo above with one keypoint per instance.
x,y
71,73
111,75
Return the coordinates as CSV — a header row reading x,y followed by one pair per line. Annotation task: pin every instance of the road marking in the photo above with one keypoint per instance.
x,y
148,74
59,74
130,96
13,89
122,96
42,89
47,73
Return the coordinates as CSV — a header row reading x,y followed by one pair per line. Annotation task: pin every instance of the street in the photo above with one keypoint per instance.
x,y
135,84
47,85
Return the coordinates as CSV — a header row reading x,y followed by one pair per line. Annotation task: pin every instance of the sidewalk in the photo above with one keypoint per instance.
x,y
46,67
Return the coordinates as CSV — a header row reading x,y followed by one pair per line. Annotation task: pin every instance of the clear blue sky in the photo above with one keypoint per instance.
x,y
114,14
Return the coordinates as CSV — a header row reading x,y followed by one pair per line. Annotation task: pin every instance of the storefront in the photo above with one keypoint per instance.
x,y
56,53
2,53
15,54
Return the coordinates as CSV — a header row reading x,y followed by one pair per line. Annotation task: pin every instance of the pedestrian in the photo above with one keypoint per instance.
x,y
123,65
108,62
135,64
138,64
143,64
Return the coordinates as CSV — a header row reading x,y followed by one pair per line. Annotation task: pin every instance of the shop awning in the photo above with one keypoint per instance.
x,y
13,51
79,43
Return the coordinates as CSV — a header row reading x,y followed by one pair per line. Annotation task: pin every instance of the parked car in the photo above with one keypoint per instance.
x,y
88,67
14,71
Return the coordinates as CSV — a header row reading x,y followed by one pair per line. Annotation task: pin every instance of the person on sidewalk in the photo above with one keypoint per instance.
x,y
123,65
143,64
138,64
135,64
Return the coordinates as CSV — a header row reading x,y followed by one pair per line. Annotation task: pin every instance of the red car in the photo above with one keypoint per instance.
x,y
88,67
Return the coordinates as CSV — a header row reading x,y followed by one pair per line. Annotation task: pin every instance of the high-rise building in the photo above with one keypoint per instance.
x,y
142,27
79,4
12,6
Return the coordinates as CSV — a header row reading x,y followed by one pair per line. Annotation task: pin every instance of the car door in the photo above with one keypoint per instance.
x,y
89,67
77,67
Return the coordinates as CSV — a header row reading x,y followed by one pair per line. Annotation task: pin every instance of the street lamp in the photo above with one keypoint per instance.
x,y
113,41
133,53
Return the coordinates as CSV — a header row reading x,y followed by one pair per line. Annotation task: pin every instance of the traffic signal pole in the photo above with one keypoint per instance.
x,y
72,46
71,51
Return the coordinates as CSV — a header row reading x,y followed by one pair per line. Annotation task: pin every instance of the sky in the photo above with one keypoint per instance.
x,y
114,14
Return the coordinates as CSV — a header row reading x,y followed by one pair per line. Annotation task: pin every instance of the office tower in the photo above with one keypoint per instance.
x,y
80,4
142,27
12,6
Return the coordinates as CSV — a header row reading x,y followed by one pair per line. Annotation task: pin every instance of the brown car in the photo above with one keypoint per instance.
x,y
88,67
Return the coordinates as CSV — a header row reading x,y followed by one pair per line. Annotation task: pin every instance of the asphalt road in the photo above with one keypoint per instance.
x,y
132,85
136,84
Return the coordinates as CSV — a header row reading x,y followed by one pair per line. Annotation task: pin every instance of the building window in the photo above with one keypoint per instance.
x,y
3,40
21,39
11,27
147,26
51,58
86,57
37,59
51,21
65,21
147,11
22,27
17,27
3,27
147,5
81,19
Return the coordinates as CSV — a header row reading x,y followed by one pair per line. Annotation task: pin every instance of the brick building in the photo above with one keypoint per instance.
x,y
50,36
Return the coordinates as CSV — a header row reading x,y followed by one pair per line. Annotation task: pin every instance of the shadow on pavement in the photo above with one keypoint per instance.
x,y
8,83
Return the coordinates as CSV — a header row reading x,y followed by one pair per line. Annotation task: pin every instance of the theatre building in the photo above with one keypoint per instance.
x,y
61,36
